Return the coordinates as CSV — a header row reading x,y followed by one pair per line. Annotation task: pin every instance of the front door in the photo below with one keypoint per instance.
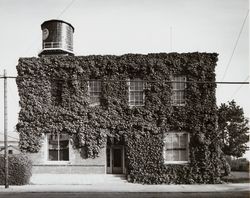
x,y
115,159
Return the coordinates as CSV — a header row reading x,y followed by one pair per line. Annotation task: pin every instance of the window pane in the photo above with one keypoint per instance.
x,y
53,142
178,85
64,147
64,144
183,85
183,155
168,141
53,155
132,86
136,86
183,141
64,154
168,155
175,141
175,155
64,137
53,147
141,97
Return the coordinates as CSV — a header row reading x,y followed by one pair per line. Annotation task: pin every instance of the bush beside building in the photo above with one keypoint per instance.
x,y
20,167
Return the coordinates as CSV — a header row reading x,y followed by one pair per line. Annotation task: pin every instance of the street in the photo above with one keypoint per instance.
x,y
124,195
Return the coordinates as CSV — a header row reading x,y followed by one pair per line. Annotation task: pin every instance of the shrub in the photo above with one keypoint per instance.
x,y
241,164
19,169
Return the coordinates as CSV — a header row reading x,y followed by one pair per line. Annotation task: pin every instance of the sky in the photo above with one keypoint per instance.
x,y
131,26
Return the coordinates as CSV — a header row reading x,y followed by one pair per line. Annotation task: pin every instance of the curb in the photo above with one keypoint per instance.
x,y
242,187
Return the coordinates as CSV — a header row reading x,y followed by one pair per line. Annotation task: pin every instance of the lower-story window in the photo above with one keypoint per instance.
x,y
58,147
175,147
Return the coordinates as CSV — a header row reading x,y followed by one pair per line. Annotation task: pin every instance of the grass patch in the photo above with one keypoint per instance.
x,y
237,177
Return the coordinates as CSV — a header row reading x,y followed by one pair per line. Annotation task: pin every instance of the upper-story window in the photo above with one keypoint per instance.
x,y
176,147
136,92
56,92
178,91
58,147
94,89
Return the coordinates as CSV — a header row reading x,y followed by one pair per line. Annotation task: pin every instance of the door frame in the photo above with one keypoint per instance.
x,y
109,170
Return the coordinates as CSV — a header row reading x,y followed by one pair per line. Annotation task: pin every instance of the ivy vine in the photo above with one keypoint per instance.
x,y
142,128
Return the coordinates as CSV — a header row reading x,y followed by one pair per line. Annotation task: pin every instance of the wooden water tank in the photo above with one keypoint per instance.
x,y
57,38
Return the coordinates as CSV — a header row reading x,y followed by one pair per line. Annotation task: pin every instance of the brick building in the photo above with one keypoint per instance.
x,y
150,117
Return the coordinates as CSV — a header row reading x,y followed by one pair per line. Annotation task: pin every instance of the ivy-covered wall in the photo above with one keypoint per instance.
x,y
67,110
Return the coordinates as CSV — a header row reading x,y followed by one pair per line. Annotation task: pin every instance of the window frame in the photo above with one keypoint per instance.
x,y
178,90
58,143
187,148
91,102
138,91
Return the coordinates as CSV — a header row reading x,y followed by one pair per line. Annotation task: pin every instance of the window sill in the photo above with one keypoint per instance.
x,y
132,106
57,163
178,105
94,104
176,162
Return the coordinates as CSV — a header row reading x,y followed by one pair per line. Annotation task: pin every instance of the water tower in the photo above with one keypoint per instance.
x,y
57,38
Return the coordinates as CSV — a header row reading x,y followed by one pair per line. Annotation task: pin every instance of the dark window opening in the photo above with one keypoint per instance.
x,y
56,92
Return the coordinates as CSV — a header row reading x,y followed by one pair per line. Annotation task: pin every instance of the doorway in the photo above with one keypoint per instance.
x,y
115,159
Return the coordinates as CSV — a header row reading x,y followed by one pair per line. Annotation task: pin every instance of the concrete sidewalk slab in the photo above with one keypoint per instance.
x,y
76,179
129,187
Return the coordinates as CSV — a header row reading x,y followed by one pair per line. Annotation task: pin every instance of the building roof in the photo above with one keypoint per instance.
x,y
12,136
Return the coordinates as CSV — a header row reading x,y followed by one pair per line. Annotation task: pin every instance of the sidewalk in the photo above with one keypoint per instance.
x,y
129,187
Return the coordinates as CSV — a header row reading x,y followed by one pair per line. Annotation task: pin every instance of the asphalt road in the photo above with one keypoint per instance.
x,y
126,195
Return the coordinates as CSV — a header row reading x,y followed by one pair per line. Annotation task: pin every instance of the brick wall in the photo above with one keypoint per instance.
x,y
76,163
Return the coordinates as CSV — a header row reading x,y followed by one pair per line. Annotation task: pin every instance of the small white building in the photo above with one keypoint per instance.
x,y
13,141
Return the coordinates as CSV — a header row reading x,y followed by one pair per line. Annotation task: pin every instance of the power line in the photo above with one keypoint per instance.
x,y
66,8
235,45
236,91
10,136
153,81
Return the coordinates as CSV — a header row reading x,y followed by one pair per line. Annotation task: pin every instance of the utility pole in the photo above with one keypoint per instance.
x,y
5,133
171,47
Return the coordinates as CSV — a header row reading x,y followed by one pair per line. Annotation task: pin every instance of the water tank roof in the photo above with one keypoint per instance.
x,y
60,21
